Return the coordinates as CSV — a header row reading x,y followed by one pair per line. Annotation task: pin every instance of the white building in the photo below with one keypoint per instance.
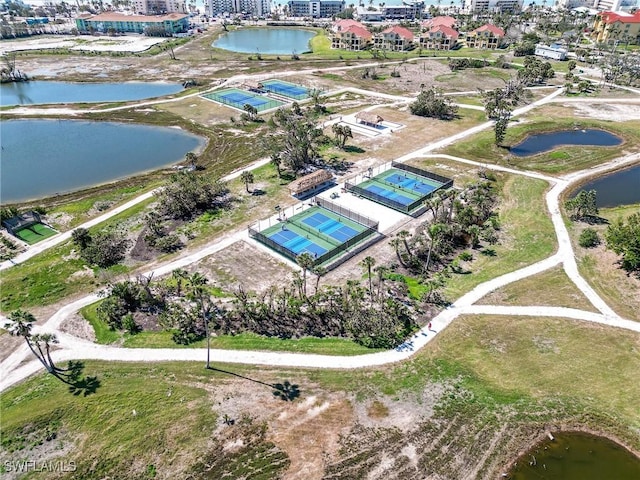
x,y
613,5
555,52
571,4
316,8
496,5
157,7
257,8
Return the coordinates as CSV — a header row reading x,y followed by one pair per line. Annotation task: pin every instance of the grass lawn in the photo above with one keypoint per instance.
x,y
527,236
55,273
35,233
564,159
504,375
250,341
104,335
551,288
548,357
88,206
600,268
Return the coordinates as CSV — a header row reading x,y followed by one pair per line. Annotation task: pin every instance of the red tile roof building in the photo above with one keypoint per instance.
x,y
439,37
395,39
353,37
487,36
612,26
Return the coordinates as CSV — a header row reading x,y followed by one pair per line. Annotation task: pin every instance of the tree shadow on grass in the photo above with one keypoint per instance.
x,y
286,391
78,385
353,149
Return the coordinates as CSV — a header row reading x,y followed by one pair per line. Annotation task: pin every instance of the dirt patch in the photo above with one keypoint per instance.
x,y
77,326
245,265
616,112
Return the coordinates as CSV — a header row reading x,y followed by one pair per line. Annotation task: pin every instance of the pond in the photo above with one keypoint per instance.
x,y
576,456
273,41
617,188
543,142
44,92
41,158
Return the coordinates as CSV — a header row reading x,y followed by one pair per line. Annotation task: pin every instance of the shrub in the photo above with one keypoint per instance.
x,y
589,238
465,256
169,243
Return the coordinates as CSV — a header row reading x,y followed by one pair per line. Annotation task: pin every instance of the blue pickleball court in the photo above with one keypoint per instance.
x,y
296,243
329,226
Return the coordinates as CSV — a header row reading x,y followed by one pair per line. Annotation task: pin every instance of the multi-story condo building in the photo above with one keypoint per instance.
x,y
158,7
610,27
316,8
258,8
613,5
571,4
486,36
439,37
496,5
119,23
395,39
351,37
403,12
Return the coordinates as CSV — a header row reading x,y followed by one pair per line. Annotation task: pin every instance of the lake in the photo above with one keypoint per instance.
x,y
576,456
41,158
273,41
617,188
543,142
45,92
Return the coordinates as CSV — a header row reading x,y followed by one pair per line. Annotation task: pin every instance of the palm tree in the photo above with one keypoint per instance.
x,y
198,291
276,161
404,235
381,271
251,111
179,274
306,261
319,272
395,243
368,263
247,178
434,231
20,325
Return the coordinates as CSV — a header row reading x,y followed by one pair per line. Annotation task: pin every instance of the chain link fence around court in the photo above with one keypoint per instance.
x,y
446,182
416,208
370,230
237,98
345,212
286,89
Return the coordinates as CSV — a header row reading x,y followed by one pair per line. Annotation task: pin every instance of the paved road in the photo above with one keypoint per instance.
x,y
14,369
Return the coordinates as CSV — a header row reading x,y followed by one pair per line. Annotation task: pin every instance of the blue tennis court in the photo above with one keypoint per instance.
x,y
237,98
287,89
331,227
390,194
296,243
411,183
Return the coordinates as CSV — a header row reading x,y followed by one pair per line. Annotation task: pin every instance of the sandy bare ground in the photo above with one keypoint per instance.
x,y
124,43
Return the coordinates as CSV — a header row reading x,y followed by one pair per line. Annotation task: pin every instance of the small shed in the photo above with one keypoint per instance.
x,y
311,183
369,118
253,86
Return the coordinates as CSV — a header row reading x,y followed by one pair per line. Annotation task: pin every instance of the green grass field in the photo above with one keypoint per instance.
x,y
161,417
527,236
481,147
35,233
